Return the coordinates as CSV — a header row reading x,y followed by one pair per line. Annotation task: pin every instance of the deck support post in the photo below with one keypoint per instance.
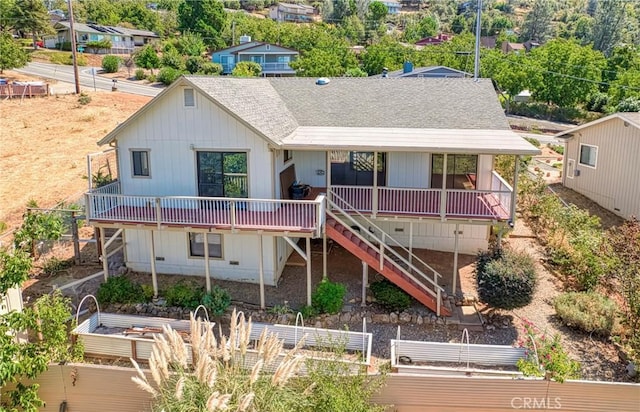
x,y
105,258
308,241
516,171
328,174
365,281
443,193
154,277
324,255
261,269
455,261
374,195
207,279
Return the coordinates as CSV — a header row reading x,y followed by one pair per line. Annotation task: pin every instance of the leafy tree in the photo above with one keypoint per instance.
x,y
460,24
147,58
6,11
46,319
571,72
137,13
352,29
319,63
191,44
247,69
206,17
31,16
609,18
102,11
111,64
537,23
387,53
36,226
11,54
172,58
355,72
377,11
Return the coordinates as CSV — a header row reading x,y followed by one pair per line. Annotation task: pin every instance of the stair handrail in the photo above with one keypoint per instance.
x,y
438,289
387,236
383,255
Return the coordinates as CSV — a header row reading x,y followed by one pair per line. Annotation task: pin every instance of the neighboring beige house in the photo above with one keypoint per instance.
x,y
297,13
123,40
601,162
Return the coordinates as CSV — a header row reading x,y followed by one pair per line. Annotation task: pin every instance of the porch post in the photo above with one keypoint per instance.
x,y
308,271
374,195
328,174
206,262
154,278
261,270
443,193
324,255
455,261
103,247
514,194
365,281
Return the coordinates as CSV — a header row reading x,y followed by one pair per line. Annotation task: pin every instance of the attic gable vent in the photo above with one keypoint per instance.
x,y
189,98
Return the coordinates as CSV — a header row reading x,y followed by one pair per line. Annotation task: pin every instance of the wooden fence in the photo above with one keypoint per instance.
x,y
21,90
98,388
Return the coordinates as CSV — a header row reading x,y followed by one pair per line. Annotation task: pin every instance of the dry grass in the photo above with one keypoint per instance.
x,y
45,142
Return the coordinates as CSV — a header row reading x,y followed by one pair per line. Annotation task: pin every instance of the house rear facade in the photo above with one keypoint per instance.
x,y
273,59
226,177
600,162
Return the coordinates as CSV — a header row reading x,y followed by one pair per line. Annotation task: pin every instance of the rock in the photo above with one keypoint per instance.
x,y
371,299
318,324
490,328
368,318
419,320
631,369
393,317
352,301
345,317
381,318
405,317
439,321
332,319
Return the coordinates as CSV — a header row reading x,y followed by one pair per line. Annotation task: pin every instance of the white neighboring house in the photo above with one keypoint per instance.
x,y
601,162
11,301
210,174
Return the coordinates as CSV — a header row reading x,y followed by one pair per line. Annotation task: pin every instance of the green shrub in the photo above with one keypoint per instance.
x,y
99,44
390,296
172,59
505,280
84,99
590,312
210,68
55,265
168,75
120,289
151,78
533,141
558,148
328,297
308,312
111,63
184,295
66,46
194,64
140,74
216,301
247,69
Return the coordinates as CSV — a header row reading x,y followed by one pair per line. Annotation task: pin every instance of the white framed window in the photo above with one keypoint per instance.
x,y
140,163
189,98
588,155
196,245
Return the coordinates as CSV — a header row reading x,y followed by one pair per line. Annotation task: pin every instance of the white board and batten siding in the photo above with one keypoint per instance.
x,y
435,235
614,183
239,262
174,133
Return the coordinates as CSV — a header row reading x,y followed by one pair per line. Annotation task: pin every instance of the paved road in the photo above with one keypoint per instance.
x,y
64,73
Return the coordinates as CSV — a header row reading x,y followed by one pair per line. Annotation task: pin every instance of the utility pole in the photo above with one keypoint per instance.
x,y
476,70
73,47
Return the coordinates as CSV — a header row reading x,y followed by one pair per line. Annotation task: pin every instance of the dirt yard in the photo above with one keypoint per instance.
x,y
45,142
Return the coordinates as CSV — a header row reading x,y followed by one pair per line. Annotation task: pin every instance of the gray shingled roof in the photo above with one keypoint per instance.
x,y
276,106
253,101
407,103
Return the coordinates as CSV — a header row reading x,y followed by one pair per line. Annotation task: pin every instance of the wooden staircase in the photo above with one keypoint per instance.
x,y
355,243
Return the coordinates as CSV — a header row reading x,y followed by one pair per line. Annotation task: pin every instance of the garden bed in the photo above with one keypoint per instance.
x,y
437,358
112,335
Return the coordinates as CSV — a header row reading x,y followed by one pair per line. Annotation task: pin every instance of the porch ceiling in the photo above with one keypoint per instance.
x,y
467,141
